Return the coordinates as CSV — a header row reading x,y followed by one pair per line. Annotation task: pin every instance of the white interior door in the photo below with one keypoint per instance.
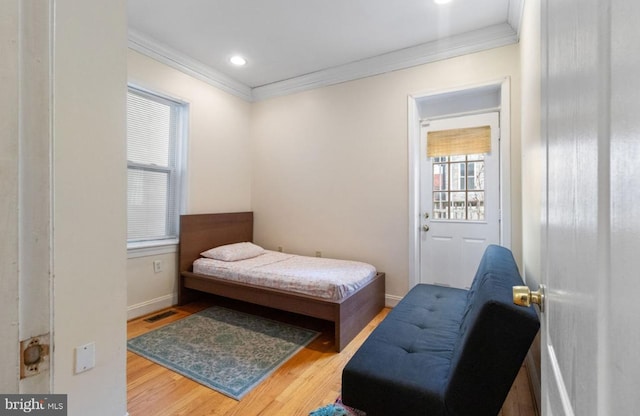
x,y
590,107
460,204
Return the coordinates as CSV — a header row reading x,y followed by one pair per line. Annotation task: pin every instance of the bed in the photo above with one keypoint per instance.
x,y
201,232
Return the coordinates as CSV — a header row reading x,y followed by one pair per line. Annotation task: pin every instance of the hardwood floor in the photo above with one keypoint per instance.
x,y
309,380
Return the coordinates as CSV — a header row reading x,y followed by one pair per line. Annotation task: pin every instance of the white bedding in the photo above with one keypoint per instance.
x,y
321,277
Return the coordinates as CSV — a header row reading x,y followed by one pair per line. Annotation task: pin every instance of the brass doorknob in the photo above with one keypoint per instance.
x,y
523,296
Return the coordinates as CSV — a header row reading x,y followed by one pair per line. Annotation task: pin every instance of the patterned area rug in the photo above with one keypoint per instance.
x,y
337,409
226,350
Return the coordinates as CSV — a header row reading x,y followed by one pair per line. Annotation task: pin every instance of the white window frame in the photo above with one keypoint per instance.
x,y
153,247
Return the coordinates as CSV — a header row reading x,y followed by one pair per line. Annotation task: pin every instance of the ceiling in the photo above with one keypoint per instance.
x,y
292,45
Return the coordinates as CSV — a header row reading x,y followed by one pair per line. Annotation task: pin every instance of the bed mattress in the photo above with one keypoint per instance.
x,y
314,276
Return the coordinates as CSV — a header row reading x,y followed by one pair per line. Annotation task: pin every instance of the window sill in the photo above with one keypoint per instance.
x,y
151,248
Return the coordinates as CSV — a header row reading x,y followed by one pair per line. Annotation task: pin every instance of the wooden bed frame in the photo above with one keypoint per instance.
x,y
203,231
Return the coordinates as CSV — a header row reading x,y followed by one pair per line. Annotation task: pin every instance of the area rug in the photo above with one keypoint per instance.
x,y
226,350
337,409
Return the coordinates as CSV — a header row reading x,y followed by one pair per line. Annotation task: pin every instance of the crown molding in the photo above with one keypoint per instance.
x,y
470,42
177,60
514,16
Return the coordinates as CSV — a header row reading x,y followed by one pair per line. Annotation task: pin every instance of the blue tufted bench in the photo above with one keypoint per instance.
x,y
445,351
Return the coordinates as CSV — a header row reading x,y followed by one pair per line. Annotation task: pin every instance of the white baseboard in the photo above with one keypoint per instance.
x,y
152,305
390,301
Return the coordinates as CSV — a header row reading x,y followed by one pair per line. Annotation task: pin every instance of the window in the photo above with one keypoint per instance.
x,y
458,187
458,172
154,138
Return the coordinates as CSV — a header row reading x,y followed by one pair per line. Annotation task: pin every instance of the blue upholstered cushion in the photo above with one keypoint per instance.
x,y
495,336
402,366
445,351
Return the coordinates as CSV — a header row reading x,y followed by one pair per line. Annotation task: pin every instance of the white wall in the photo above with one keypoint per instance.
x,y
89,202
219,165
148,291
218,168
324,170
533,163
330,165
532,146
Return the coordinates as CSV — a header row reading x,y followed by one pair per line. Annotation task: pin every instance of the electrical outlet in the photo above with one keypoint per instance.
x,y
280,249
318,253
157,266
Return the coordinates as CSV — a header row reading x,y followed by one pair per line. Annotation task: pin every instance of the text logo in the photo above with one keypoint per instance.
x,y
33,404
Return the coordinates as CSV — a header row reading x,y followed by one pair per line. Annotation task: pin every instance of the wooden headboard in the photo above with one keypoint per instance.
x,y
201,232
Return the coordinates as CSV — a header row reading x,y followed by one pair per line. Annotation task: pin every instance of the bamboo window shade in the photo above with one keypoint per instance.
x,y
457,142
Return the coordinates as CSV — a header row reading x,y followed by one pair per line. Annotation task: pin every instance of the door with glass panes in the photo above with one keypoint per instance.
x,y
460,196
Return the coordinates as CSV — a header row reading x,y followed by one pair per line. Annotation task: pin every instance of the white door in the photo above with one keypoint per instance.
x,y
590,106
460,204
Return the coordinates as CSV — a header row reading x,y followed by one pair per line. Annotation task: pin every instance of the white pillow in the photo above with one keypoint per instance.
x,y
234,252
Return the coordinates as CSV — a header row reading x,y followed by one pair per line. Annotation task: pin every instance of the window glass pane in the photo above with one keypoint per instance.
x,y
440,177
475,157
458,177
458,158
475,206
148,212
150,126
475,178
458,206
440,205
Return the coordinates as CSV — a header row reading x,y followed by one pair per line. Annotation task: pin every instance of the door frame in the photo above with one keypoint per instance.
x,y
27,293
414,138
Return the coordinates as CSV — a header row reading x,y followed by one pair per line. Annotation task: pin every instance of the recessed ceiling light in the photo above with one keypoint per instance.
x,y
441,1
238,60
